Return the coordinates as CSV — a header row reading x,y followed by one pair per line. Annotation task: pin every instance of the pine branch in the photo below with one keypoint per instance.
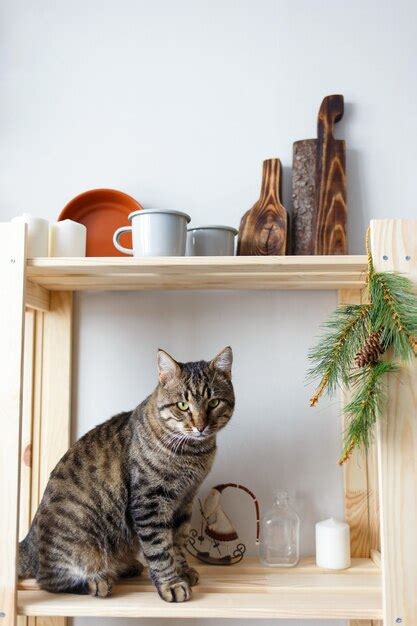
x,y
361,334
333,357
365,406
394,312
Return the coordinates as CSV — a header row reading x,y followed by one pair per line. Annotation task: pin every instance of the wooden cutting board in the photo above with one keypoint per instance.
x,y
319,186
263,229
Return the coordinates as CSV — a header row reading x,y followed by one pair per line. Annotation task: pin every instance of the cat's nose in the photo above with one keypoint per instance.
x,y
201,428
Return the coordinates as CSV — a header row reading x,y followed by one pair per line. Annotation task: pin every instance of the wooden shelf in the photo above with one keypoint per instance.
x,y
36,414
273,272
246,590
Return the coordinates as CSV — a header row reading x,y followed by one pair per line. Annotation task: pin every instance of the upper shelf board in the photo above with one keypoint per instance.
x,y
236,272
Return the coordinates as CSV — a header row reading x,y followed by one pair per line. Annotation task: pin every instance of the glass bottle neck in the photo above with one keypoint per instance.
x,y
281,498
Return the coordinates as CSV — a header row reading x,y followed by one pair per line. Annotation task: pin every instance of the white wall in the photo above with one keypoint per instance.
x,y
178,103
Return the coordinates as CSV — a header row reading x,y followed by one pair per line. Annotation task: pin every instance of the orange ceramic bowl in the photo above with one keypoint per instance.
x,y
102,211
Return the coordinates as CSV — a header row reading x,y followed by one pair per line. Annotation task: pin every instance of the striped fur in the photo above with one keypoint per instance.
x,y
128,486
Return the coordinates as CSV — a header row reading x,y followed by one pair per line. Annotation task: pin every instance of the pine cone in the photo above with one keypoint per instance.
x,y
370,351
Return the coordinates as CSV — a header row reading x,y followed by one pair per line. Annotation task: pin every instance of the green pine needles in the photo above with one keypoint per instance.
x,y
345,333
394,310
367,403
390,320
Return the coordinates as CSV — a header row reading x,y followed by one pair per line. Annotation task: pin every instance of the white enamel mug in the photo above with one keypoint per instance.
x,y
155,232
211,241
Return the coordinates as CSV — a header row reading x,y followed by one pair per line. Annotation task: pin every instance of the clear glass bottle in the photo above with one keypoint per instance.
x,y
280,534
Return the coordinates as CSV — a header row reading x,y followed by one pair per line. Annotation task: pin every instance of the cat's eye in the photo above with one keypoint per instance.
x,y
213,403
183,406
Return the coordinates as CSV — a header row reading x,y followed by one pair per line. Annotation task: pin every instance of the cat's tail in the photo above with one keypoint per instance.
x,y
28,561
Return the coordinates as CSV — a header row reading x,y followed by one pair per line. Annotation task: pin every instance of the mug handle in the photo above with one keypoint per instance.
x,y
117,245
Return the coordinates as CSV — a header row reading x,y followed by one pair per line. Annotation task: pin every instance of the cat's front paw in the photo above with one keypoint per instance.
x,y
100,587
177,590
190,575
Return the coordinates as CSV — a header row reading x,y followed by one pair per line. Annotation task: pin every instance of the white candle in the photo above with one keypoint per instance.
x,y
332,544
67,238
37,234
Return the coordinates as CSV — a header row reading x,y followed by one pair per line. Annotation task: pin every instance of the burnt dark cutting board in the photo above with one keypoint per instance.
x,y
319,186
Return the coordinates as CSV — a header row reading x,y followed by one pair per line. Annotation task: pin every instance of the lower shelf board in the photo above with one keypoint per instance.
x,y
246,590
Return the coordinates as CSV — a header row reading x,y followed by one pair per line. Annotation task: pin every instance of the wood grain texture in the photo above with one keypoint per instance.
x,y
360,479
373,498
12,298
360,484
56,384
394,246
330,231
38,458
319,187
355,473
52,399
26,438
376,558
284,603
37,297
247,590
256,272
263,229
37,413
25,515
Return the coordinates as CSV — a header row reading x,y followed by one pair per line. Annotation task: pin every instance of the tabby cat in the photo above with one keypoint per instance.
x,y
128,486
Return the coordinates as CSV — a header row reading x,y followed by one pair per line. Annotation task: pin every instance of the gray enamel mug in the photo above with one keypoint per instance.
x,y
155,232
211,241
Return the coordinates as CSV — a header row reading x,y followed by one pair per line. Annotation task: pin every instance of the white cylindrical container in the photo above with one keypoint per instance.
x,y
37,234
332,544
211,241
67,238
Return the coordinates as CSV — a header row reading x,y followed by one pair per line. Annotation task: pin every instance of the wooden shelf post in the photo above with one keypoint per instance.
x,y
394,247
360,484
12,321
52,409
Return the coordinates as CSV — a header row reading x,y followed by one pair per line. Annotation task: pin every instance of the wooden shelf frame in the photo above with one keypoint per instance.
x,y
35,417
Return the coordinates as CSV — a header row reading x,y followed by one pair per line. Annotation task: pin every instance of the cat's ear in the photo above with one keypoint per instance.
x,y
223,361
167,366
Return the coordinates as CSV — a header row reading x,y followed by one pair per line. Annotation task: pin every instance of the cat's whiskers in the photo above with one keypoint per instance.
x,y
168,441
186,438
181,443
178,444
